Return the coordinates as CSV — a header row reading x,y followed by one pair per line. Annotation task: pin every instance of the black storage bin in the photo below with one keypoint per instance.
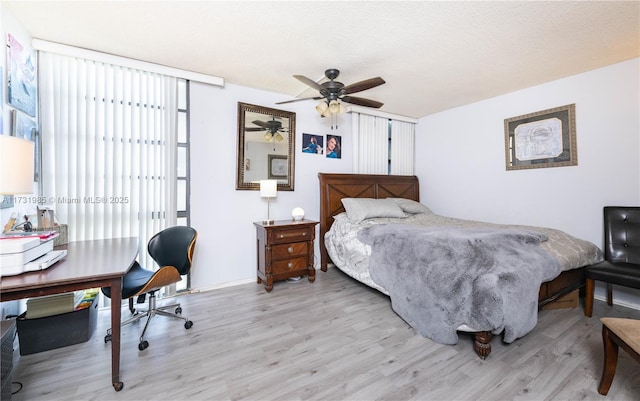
x,y
45,333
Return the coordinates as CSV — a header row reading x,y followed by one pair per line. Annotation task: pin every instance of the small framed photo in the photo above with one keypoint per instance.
x,y
545,138
334,147
278,166
313,144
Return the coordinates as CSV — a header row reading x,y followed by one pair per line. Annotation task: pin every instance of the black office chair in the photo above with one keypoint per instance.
x,y
172,249
621,253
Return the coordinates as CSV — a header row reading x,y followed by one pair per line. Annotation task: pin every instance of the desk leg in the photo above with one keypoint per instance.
x,y
116,304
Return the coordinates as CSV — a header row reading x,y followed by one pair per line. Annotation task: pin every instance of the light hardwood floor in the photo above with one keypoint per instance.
x,y
334,339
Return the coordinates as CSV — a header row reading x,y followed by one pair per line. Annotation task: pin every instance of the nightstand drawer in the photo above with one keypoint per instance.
x,y
288,265
282,235
289,250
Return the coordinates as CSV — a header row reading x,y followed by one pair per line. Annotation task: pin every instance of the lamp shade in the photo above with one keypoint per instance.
x,y
268,188
16,165
334,107
322,107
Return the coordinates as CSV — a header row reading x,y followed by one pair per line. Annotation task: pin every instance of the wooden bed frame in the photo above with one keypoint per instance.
x,y
334,187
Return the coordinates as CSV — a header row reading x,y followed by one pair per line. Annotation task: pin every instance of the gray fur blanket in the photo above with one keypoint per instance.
x,y
440,278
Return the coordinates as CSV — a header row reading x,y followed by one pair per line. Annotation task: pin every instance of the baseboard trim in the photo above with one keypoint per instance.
x,y
618,302
223,285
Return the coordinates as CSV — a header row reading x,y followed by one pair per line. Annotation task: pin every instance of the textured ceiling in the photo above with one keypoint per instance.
x,y
433,55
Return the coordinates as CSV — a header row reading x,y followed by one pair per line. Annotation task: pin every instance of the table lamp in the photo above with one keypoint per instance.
x,y
268,189
16,168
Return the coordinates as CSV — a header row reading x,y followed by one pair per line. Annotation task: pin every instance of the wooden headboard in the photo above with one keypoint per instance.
x,y
334,187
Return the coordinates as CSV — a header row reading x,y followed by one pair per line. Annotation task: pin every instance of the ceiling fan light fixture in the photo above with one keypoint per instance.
x,y
267,136
334,107
279,137
322,107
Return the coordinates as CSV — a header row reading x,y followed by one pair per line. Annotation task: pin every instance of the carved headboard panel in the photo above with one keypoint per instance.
x,y
334,187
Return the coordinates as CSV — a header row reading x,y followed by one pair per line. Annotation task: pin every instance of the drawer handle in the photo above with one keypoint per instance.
x,y
290,249
303,234
281,235
290,265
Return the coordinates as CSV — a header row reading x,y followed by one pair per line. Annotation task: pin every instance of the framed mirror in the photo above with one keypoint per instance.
x,y
266,147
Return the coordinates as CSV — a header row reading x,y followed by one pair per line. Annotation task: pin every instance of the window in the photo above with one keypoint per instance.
x,y
109,145
182,167
382,144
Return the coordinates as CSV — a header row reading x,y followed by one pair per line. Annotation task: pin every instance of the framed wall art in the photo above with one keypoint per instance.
x,y
277,166
23,126
21,76
313,144
334,147
545,138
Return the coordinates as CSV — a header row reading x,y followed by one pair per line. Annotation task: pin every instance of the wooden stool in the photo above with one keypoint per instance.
x,y
617,332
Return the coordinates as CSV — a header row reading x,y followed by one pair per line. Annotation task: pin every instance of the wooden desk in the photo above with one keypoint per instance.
x,y
88,264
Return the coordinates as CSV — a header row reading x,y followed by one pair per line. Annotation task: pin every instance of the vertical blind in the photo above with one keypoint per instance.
x,y
382,145
371,144
402,147
109,148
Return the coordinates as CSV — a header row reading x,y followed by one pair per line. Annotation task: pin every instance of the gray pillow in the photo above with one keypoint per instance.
x,y
359,209
411,206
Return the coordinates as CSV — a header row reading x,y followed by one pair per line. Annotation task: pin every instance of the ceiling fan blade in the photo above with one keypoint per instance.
x,y
362,102
308,81
260,123
298,100
251,129
363,85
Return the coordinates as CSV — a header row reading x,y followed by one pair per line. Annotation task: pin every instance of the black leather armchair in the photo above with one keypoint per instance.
x,y
172,249
621,253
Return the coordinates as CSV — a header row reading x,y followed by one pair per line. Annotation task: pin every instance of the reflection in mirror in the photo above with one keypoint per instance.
x,y
266,147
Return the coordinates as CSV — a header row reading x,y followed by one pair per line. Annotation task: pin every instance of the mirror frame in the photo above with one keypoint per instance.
x,y
242,109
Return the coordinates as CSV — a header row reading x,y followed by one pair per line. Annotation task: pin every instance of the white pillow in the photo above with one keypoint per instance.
x,y
411,206
359,209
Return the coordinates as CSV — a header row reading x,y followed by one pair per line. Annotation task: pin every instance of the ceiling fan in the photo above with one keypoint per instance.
x,y
333,90
272,127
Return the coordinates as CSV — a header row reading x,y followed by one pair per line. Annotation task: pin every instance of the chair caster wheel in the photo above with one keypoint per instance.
x,y
107,338
178,311
118,386
143,345
188,324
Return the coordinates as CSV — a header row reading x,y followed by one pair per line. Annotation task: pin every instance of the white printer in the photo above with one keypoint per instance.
x,y
20,255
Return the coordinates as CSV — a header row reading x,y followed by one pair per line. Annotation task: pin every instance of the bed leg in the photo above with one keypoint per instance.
x,y
482,343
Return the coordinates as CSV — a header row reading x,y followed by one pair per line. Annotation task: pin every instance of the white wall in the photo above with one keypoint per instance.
x,y
224,216
461,161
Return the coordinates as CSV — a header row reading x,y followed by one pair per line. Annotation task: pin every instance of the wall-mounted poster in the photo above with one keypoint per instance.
x,y
312,144
21,75
26,127
23,125
334,147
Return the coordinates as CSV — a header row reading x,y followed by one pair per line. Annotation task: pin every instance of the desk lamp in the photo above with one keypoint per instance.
x,y
16,168
268,189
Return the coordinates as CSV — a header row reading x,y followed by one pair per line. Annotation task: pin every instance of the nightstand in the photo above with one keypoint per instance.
x,y
285,249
